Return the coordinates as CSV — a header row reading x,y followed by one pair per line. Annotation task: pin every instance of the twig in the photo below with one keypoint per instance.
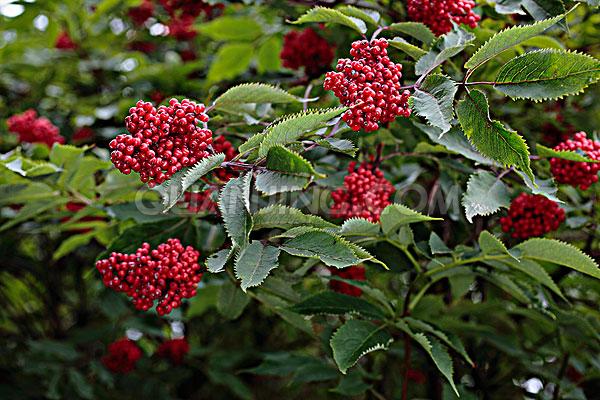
x,y
305,99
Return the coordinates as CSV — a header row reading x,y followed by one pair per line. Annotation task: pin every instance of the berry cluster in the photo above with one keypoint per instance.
x,y
166,274
200,202
140,14
174,350
83,134
162,140
439,14
531,216
64,42
582,174
122,356
306,49
222,145
370,85
34,129
356,273
365,194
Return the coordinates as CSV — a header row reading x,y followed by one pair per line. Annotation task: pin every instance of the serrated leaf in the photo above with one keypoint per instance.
x,y
417,30
280,159
322,14
284,217
369,16
189,176
396,215
543,9
535,271
489,136
546,188
560,253
439,355
506,39
329,248
485,195
216,262
544,151
270,183
254,263
332,303
254,93
252,143
444,48
293,127
505,283
339,145
359,227
413,51
356,338
231,301
490,244
437,245
547,74
434,100
234,204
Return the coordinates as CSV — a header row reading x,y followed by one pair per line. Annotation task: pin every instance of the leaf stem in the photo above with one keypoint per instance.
x,y
464,262
404,249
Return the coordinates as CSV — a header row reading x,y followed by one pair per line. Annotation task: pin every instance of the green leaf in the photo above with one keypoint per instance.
x,y
439,355
444,48
329,248
268,59
65,154
322,14
434,100
293,127
544,151
72,243
359,227
232,60
369,16
546,188
270,183
506,39
413,51
280,159
485,195
396,215
542,9
216,262
415,29
229,28
254,93
284,217
535,271
437,245
234,204
490,244
356,338
560,253
339,145
490,137
332,303
78,382
254,263
231,301
505,283
547,74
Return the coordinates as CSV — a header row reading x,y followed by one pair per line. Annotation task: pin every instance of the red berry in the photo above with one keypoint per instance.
x,y
356,273
439,14
531,216
83,134
201,202
141,13
32,129
574,173
365,193
122,356
370,85
165,275
174,350
306,49
64,42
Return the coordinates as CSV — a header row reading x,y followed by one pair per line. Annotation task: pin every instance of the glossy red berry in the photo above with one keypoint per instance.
x,y
308,50
33,129
164,275
438,15
365,194
355,273
222,145
122,356
174,350
161,141
141,13
531,216
370,85
64,42
201,202
574,173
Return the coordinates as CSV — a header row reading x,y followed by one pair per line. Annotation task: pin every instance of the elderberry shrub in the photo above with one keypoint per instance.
x,y
308,50
574,173
439,15
122,356
369,84
33,129
531,216
356,273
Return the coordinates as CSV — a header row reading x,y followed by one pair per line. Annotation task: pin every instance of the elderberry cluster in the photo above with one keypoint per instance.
x,y
531,216
33,129
122,356
140,14
162,141
174,350
165,275
370,85
222,145
574,173
64,42
365,194
200,202
306,49
438,15
356,273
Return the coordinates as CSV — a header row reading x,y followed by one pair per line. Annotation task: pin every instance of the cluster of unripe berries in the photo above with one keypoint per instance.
x,y
575,173
123,354
369,84
531,216
162,141
308,50
355,273
438,15
365,194
33,129
164,275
